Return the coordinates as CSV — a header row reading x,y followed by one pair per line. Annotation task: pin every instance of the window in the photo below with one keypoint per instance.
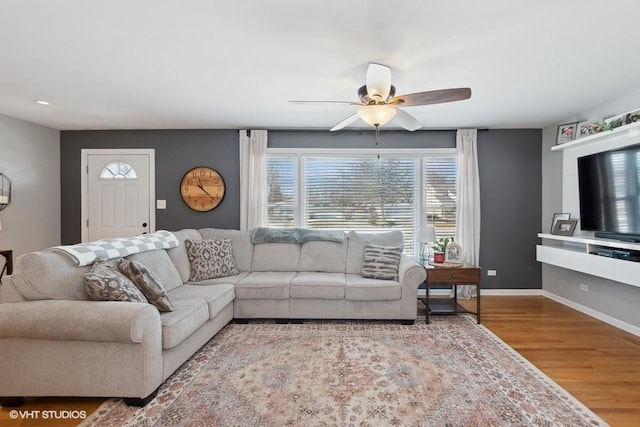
x,y
359,190
118,170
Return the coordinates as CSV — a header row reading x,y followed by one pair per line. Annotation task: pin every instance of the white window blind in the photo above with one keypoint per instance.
x,y
440,194
362,192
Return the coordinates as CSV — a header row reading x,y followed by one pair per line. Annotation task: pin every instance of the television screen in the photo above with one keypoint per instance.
x,y
609,188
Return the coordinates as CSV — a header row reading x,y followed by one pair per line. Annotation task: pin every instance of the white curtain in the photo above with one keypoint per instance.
x,y
468,205
253,178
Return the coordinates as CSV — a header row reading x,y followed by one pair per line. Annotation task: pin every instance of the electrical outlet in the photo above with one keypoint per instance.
x,y
583,287
492,272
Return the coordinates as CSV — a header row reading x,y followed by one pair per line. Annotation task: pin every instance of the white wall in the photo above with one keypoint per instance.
x,y
30,156
612,299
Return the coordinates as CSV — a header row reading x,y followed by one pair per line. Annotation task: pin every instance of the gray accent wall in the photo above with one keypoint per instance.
x,y
176,151
510,182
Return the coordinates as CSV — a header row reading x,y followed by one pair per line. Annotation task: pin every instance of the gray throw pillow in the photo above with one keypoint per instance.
x,y
147,282
104,282
210,259
381,262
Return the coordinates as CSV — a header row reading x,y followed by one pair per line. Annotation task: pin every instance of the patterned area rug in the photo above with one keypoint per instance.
x,y
452,372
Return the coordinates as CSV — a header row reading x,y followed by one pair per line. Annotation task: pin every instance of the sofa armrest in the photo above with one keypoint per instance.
x,y
106,321
411,275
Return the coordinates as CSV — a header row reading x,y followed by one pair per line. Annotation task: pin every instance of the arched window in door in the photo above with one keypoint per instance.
x,y
118,170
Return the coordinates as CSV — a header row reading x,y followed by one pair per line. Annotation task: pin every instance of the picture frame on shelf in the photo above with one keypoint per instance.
x,y
564,227
453,253
558,216
566,133
631,117
588,127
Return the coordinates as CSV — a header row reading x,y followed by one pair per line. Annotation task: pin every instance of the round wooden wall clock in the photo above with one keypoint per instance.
x,y
202,188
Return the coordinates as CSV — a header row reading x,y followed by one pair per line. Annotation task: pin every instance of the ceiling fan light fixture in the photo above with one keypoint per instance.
x,y
376,115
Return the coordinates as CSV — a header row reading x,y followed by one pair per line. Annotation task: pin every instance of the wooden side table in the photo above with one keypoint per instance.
x,y
8,265
451,276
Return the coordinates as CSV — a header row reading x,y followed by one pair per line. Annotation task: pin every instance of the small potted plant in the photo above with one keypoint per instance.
x,y
439,247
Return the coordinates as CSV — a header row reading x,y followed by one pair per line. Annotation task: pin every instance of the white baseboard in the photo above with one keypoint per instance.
x,y
627,327
511,292
488,292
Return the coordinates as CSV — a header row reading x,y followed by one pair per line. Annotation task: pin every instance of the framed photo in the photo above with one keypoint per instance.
x,y
565,227
556,217
566,133
588,128
631,117
453,253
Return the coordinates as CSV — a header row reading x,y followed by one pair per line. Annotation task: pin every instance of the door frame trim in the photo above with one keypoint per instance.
x,y
84,184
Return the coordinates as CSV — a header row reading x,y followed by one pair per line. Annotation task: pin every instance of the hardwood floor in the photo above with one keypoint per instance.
x,y
597,363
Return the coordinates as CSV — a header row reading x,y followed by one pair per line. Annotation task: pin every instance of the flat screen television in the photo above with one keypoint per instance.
x,y
609,189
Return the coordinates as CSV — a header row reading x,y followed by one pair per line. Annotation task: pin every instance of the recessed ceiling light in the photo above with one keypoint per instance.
x,y
41,102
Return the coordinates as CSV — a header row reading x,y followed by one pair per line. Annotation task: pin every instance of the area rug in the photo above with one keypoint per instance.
x,y
452,372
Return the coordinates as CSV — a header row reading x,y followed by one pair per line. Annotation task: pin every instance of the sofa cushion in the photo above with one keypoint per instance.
x,y
318,285
104,282
240,241
216,296
357,242
160,264
187,316
147,282
363,289
381,262
265,285
178,255
50,275
330,257
209,259
276,257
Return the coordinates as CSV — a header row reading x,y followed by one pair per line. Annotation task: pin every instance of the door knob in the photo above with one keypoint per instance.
x,y
144,224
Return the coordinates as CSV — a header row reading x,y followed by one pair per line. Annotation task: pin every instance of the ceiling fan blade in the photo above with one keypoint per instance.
x,y
432,97
378,81
346,122
406,120
327,102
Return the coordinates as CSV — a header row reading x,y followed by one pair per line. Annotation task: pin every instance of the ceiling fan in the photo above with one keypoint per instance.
x,y
378,103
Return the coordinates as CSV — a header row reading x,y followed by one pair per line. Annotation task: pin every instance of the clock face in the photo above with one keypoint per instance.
x,y
202,189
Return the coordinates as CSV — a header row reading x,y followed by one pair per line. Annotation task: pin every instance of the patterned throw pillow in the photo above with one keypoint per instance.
x,y
147,282
105,283
209,259
381,262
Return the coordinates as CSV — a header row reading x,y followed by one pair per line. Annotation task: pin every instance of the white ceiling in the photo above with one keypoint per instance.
x,y
169,64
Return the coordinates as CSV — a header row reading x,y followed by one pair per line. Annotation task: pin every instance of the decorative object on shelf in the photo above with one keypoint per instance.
x,y
565,227
587,128
566,133
426,236
439,247
613,122
5,191
453,254
202,188
556,217
631,117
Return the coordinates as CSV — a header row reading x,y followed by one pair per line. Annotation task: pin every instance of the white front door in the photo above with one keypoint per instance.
x,y
118,193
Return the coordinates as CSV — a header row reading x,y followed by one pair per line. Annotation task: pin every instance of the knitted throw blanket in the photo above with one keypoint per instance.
x,y
87,253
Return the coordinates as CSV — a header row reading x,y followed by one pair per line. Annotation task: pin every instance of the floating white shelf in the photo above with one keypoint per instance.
x,y
630,130
577,253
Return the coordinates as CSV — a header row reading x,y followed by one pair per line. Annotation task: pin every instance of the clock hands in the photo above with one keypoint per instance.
x,y
200,186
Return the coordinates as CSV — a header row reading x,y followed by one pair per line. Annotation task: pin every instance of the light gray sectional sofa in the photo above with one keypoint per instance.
x,y
54,341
